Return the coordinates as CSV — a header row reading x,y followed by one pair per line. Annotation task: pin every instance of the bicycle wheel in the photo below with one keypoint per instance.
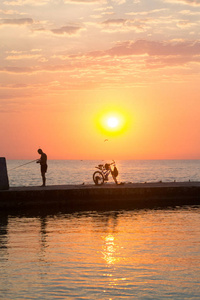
x,y
98,178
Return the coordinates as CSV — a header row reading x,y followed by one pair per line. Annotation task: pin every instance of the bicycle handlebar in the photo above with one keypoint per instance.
x,y
102,166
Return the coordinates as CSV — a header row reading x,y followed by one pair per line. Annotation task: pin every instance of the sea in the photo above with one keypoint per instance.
x,y
62,172
104,255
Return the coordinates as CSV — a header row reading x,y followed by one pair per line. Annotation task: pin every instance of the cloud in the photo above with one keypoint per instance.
x,y
22,21
188,2
16,70
185,24
10,12
190,13
150,54
191,2
68,30
26,2
119,1
145,13
105,8
114,22
23,56
113,25
86,1
127,64
152,48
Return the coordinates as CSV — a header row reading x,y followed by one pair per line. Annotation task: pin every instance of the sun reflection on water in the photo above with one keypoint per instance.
x,y
110,249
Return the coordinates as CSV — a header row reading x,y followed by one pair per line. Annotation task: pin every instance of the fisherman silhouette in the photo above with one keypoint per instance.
x,y
43,164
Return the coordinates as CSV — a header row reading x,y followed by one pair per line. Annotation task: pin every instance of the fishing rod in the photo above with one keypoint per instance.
x,y
23,165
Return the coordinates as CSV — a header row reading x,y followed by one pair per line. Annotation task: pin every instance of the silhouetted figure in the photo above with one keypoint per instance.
x,y
43,164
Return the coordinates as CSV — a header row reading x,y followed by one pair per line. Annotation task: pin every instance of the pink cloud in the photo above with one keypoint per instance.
x,y
129,54
155,48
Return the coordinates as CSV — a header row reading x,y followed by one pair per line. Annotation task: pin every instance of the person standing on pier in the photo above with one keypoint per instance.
x,y
43,164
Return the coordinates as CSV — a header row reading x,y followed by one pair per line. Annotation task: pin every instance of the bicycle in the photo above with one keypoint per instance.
x,y
99,177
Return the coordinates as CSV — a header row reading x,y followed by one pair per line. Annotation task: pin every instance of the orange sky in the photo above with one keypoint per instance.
x,y
63,64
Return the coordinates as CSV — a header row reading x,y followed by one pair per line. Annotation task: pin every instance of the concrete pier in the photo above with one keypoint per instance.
x,y
108,196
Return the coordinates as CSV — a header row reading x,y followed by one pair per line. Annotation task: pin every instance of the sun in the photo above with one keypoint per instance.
x,y
112,122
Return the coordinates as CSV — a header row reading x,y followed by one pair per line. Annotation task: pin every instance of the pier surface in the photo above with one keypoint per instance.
x,y
107,196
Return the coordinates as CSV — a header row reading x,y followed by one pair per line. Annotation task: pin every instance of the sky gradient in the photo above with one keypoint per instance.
x,y
63,63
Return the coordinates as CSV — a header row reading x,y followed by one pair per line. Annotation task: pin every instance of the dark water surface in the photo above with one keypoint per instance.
x,y
139,254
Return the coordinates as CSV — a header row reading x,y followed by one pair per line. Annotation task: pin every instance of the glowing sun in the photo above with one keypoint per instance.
x,y
112,122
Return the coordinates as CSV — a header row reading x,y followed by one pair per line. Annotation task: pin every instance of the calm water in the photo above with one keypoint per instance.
x,y
77,172
139,254
142,254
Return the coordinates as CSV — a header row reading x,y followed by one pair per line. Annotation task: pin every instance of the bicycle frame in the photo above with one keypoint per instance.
x,y
102,175
103,170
